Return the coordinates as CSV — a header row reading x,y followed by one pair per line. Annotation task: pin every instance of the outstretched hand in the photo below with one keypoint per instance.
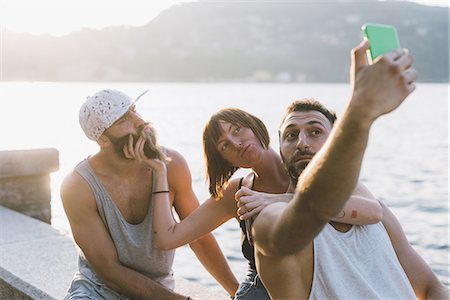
x,y
381,87
137,152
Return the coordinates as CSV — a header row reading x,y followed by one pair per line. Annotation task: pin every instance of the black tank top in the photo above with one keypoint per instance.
x,y
247,249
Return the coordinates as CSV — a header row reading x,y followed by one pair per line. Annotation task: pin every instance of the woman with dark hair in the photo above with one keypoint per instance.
x,y
233,139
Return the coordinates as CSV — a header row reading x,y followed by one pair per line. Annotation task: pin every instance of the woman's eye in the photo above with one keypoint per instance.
x,y
224,147
236,131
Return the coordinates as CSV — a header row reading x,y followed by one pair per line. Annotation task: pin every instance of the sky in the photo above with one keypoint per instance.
x,y
60,17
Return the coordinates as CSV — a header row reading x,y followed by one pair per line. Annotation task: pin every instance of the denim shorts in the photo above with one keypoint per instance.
x,y
251,288
84,288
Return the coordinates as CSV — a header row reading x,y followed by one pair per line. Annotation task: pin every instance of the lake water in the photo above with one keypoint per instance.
x,y
406,163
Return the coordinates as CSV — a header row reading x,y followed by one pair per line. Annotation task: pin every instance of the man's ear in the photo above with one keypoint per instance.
x,y
103,140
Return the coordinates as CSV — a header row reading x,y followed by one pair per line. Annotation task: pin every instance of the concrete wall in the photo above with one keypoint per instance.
x,y
25,181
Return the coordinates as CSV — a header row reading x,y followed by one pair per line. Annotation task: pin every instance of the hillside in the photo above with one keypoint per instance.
x,y
232,41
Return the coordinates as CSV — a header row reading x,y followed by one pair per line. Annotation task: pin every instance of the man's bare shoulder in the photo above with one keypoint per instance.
x,y
263,225
179,178
172,153
177,161
76,194
73,182
270,213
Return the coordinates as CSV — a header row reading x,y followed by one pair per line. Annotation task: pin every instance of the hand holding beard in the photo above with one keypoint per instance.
x,y
151,148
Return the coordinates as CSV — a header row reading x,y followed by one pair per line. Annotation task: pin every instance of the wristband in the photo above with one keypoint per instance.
x,y
160,192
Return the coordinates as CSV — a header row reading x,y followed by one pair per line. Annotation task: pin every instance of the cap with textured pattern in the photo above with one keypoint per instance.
x,y
101,110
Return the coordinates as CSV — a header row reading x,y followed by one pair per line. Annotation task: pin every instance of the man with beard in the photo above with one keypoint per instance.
x,y
302,254
108,200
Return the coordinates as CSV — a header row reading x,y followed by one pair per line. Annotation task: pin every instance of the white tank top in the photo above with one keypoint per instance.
x,y
358,264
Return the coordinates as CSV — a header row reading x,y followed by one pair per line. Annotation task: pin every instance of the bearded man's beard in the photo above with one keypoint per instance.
x,y
294,168
151,148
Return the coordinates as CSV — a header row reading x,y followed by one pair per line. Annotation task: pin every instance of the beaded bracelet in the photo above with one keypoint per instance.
x,y
160,192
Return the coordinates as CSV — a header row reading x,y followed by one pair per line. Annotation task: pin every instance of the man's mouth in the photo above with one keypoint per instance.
x,y
303,157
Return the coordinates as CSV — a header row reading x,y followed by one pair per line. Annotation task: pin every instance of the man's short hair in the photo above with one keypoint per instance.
x,y
310,104
218,170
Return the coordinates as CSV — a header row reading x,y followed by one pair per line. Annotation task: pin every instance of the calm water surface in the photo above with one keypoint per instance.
x,y
406,163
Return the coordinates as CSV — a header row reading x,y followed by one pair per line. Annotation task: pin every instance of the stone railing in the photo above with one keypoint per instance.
x,y
25,181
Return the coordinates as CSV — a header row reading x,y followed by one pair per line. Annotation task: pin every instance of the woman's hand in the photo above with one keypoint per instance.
x,y
250,203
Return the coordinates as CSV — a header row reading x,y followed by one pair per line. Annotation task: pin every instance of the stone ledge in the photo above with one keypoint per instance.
x,y
25,181
38,262
20,163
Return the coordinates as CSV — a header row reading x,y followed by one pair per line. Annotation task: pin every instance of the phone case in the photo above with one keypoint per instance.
x,y
382,39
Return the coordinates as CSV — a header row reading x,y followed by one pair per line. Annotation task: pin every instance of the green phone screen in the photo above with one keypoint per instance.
x,y
382,39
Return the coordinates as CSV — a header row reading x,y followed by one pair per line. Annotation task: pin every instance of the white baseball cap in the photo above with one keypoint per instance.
x,y
102,109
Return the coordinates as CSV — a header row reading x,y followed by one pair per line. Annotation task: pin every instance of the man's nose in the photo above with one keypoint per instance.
x,y
302,142
137,120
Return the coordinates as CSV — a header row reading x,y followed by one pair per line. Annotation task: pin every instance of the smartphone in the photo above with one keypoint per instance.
x,y
382,39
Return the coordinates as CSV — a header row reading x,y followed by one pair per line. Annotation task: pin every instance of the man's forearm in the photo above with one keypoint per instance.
x,y
209,254
133,284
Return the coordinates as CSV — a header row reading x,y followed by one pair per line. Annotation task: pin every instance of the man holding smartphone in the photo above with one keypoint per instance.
x,y
300,252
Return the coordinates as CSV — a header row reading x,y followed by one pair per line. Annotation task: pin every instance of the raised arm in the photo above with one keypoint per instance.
x,y
322,191
424,282
196,222
92,237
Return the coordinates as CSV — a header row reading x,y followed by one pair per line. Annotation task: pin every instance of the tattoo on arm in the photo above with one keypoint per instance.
x,y
354,214
341,215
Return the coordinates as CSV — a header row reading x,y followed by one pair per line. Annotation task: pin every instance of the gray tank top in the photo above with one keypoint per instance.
x,y
134,242
358,264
